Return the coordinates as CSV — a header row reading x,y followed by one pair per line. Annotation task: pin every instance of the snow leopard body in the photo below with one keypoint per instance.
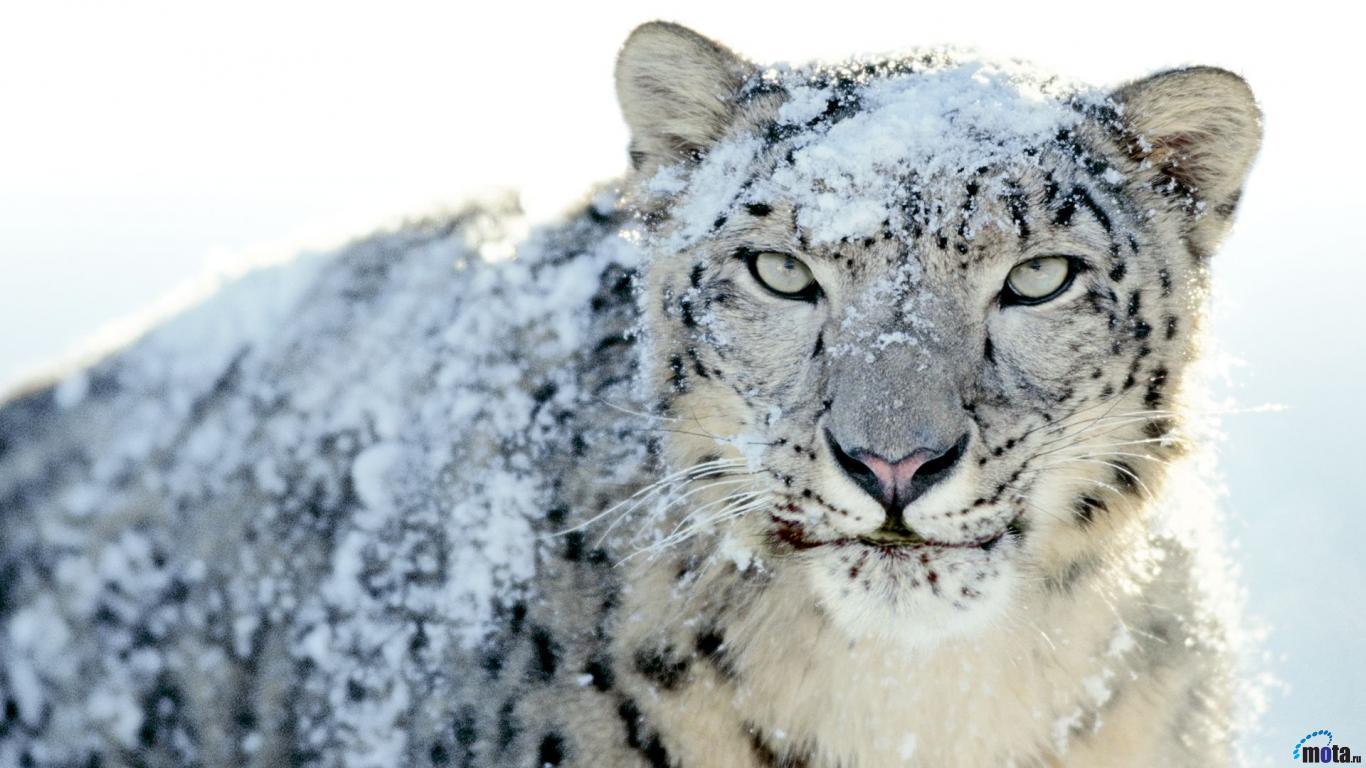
x,y
414,503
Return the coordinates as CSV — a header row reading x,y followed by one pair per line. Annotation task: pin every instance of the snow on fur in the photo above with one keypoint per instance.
x,y
847,177
274,457
280,478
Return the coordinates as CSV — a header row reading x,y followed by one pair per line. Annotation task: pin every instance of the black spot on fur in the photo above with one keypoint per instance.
x,y
649,746
657,666
597,556
989,351
697,366
1063,216
545,654
695,276
710,641
544,392
1153,397
1125,477
678,379
354,691
685,312
820,345
711,645
1050,190
158,713
1018,209
508,726
600,667
1084,199
1157,428
1067,139
1227,208
573,546
629,713
1019,527
551,752
1117,272
1086,509
599,216
758,209
492,662
514,615
464,729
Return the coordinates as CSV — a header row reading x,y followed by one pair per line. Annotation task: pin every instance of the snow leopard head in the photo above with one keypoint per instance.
x,y
926,318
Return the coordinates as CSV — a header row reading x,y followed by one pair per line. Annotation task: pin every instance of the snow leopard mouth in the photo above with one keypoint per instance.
x,y
915,541
902,541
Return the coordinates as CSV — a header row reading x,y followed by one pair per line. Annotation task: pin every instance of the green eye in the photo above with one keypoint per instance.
x,y
1039,280
783,274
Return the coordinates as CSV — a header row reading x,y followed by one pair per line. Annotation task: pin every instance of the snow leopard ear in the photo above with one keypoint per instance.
x,y
677,91
1200,128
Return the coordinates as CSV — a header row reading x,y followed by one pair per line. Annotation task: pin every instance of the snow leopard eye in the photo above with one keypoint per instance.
x,y
783,274
1039,280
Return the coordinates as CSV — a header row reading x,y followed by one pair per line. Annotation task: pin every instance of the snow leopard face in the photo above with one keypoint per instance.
x,y
923,322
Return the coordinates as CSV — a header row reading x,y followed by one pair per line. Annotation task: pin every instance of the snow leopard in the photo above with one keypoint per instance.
x,y
839,432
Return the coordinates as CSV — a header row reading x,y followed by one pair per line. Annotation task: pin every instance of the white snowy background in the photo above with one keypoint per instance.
x,y
145,145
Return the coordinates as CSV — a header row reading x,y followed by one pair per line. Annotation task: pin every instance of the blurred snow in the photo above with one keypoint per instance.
x,y
143,142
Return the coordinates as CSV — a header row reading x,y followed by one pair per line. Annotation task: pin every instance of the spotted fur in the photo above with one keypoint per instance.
x,y
711,586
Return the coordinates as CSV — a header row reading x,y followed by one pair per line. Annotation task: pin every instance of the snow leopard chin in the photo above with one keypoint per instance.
x,y
916,598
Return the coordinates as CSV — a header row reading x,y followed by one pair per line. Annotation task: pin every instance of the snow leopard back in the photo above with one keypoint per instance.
x,y
299,524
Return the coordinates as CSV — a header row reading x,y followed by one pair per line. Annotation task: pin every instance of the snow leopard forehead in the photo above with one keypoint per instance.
x,y
857,149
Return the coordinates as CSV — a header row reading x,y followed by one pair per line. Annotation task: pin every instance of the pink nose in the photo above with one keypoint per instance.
x,y
897,483
893,476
